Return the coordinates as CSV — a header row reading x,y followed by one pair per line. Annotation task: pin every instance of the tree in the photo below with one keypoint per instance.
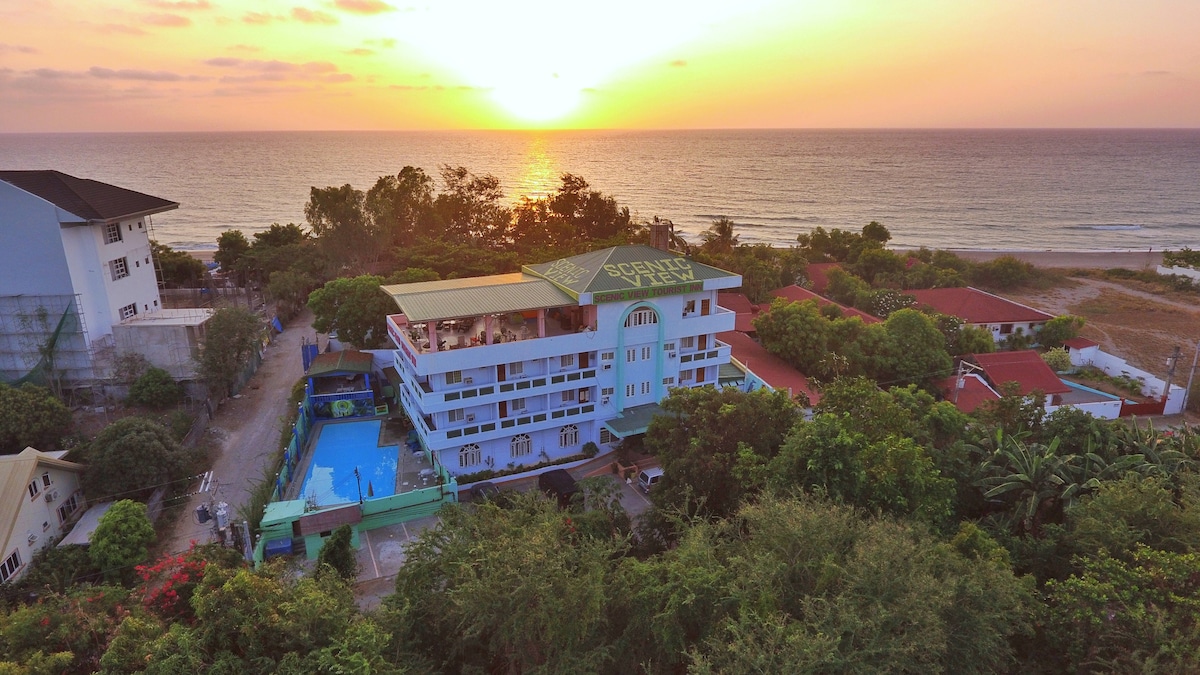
x,y
356,309
178,268
131,457
1060,329
401,207
916,349
701,437
796,332
719,238
31,416
469,206
1058,359
155,389
337,554
232,245
231,336
338,218
121,539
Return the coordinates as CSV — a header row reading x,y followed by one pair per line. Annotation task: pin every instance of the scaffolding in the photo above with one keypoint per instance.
x,y
44,340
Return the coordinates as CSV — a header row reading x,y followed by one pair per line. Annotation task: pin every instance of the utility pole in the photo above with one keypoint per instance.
x,y
1191,374
1172,361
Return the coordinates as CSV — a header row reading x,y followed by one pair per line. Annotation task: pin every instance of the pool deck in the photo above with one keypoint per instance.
x,y
413,470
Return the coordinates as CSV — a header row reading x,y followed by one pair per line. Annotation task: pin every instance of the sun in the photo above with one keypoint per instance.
x,y
537,58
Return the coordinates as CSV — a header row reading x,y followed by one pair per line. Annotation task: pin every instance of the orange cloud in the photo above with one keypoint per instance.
x,y
309,16
181,6
261,18
167,20
363,6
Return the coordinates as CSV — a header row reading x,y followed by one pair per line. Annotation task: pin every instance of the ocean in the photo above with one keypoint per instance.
x,y
974,189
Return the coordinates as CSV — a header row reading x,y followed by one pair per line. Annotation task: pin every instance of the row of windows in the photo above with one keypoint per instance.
x,y
521,445
68,507
632,388
35,486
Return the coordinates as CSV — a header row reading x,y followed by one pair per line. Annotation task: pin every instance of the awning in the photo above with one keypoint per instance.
x,y
634,421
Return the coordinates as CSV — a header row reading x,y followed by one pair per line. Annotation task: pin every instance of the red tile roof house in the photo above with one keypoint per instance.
x,y
1030,374
993,313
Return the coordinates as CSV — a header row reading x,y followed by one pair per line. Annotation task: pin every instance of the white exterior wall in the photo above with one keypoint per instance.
x,y
642,357
1030,328
1103,410
102,296
38,520
1115,366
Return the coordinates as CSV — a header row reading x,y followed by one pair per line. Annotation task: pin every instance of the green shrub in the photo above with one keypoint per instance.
x,y
155,389
338,554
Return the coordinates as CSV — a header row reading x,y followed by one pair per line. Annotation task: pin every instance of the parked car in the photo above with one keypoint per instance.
x,y
648,478
559,485
484,491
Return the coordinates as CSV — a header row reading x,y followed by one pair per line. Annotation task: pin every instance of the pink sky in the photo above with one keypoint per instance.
x,y
143,65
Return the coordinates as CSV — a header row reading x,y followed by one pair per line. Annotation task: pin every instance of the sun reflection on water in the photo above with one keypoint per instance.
x,y
539,176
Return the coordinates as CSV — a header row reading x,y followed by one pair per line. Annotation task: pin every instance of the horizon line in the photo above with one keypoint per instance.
x,y
602,129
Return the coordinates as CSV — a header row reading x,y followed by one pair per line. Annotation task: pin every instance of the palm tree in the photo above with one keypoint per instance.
x,y
719,237
1034,475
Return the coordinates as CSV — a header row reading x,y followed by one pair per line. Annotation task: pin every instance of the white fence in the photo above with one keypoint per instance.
x,y
1114,366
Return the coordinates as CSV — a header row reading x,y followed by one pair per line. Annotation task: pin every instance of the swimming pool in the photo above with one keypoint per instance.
x,y
339,449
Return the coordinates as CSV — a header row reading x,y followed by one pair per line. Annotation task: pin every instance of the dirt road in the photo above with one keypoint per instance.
x,y
247,429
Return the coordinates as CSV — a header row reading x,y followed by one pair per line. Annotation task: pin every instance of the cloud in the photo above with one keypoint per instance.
x,y
308,16
338,77
181,6
53,74
363,6
224,62
256,70
360,51
383,43
142,75
677,63
261,19
168,20
256,91
245,48
110,28
20,49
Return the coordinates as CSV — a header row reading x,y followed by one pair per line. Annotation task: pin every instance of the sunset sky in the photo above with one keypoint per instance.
x,y
161,65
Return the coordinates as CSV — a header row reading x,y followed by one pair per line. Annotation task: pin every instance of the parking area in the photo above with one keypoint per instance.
x,y
381,552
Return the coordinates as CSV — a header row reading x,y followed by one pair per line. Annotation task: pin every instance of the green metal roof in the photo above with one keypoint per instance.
x,y
624,268
729,372
475,296
345,361
634,421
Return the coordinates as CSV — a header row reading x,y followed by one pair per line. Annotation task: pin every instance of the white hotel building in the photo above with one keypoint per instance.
x,y
515,369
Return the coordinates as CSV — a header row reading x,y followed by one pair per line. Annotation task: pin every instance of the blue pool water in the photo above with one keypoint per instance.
x,y
339,449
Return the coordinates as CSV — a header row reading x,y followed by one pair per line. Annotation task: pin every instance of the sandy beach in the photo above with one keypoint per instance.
x,y
1131,260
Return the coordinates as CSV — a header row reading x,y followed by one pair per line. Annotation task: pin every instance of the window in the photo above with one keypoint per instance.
x,y
520,446
607,391
129,311
46,479
645,388
686,375
112,233
469,455
689,307
454,377
606,356
516,368
568,436
630,389
568,396
641,317
1006,328
630,355
566,361
119,268
645,353
688,342
669,347
456,415
34,489
517,404
10,566
669,381
606,436
67,508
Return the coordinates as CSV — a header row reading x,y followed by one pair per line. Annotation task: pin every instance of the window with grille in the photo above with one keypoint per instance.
x,y
112,233
119,268
688,342
606,356
517,404
469,455
456,415
520,445
454,377
641,317
645,353
129,311
669,347
566,361
686,375
10,566
606,436
516,368
630,389
669,381
607,391
630,355
645,388
67,508
34,489
568,436
568,396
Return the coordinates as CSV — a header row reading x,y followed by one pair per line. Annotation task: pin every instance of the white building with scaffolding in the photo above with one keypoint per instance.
x,y
78,285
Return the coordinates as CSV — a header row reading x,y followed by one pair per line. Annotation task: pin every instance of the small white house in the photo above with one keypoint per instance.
x,y
39,500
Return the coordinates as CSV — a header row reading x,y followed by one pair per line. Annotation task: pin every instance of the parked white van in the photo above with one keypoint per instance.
x,y
649,478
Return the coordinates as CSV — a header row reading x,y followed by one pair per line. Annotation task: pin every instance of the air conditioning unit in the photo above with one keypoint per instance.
x,y
470,417
672,354
468,380
608,366
604,400
51,495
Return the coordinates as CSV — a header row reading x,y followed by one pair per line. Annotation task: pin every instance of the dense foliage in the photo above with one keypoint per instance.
x,y
155,388
130,458
31,416
230,338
